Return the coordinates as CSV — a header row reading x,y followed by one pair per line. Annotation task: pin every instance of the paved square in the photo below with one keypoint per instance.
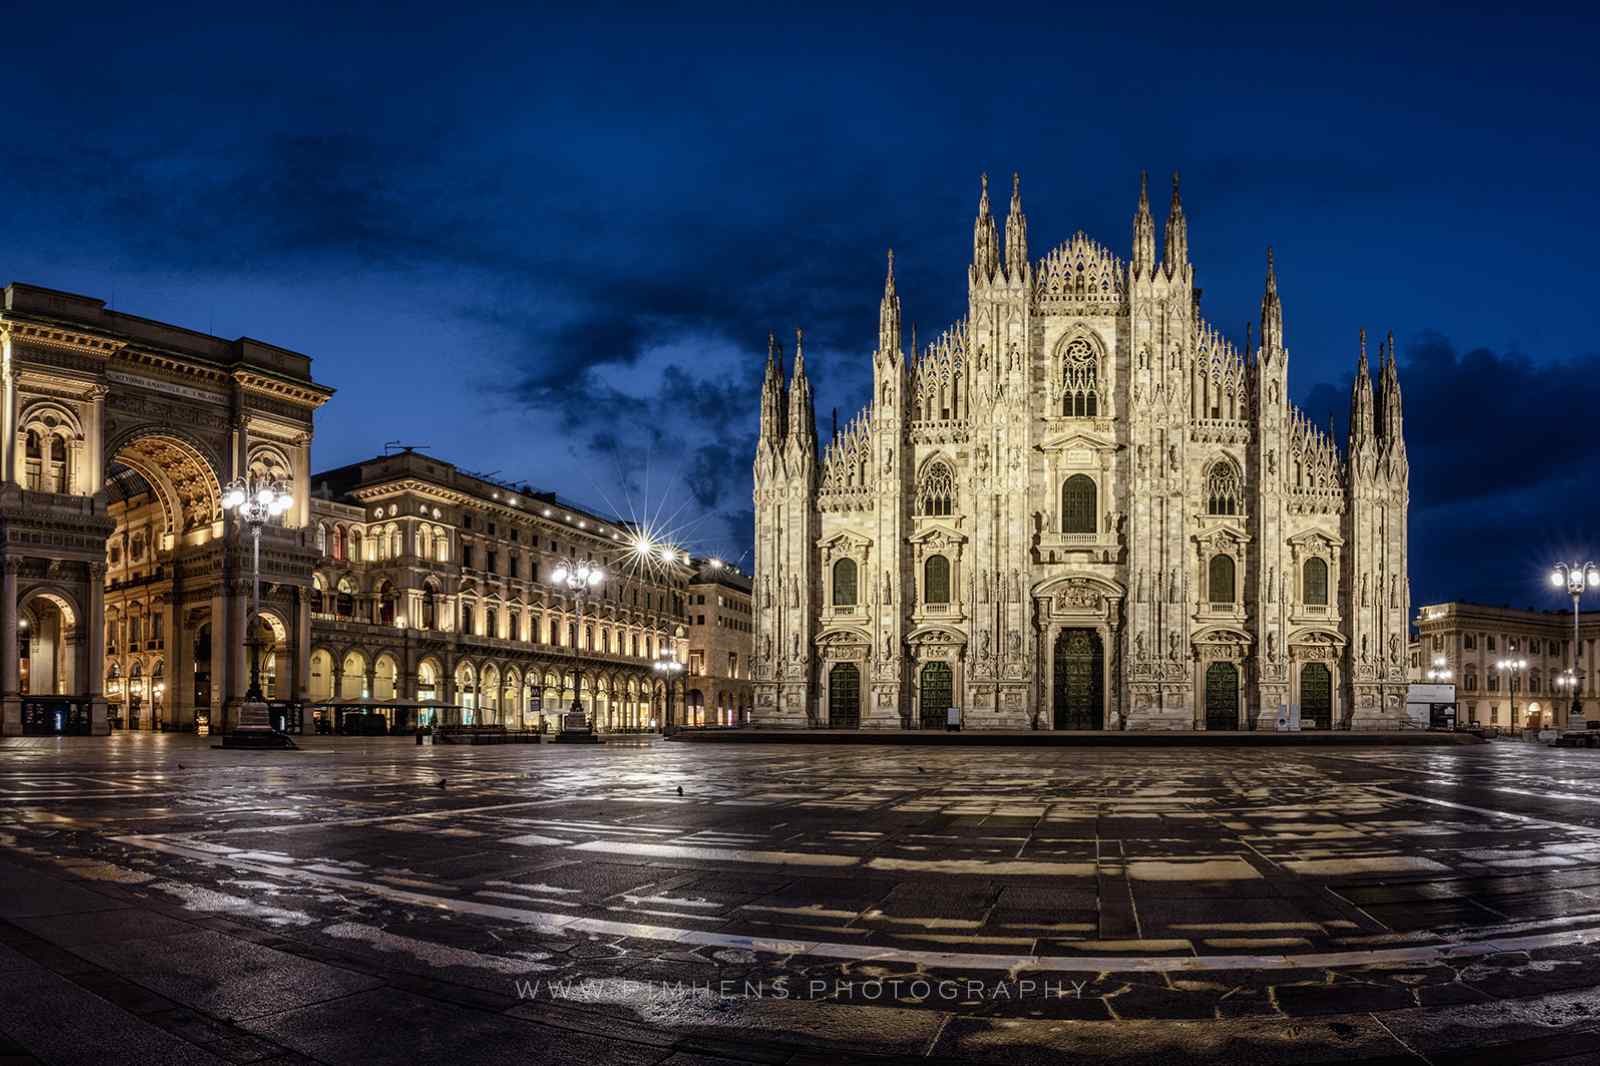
x,y
373,900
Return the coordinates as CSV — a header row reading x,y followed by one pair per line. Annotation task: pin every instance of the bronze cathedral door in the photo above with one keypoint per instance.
x,y
937,695
1222,696
1079,679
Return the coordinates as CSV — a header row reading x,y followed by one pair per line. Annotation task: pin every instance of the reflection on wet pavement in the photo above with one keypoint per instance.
x,y
960,902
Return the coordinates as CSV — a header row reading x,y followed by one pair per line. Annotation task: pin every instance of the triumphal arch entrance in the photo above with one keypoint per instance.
x,y
126,586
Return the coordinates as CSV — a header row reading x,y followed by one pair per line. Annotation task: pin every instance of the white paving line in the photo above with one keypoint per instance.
x,y
566,923
1528,818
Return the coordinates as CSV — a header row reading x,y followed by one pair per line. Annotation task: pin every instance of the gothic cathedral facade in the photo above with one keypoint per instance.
x,y
1081,507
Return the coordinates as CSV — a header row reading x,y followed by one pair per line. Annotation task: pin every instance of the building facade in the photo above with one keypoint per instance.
x,y
1081,507
126,584
721,626
430,583
1471,641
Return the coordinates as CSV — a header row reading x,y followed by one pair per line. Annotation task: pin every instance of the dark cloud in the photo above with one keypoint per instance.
x,y
1500,465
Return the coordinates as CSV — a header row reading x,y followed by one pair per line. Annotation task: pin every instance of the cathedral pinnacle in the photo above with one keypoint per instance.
x,y
1177,234
1016,233
985,239
889,315
1271,313
1144,231
1361,403
1389,410
802,415
773,426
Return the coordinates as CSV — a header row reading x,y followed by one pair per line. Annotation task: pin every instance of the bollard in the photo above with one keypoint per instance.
x,y
419,736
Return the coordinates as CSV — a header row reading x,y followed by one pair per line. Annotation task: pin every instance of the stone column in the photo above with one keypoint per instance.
x,y
301,515
10,667
302,650
94,440
220,640
11,439
94,682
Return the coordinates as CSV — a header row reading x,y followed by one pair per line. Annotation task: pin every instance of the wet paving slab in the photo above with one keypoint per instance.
x,y
1187,905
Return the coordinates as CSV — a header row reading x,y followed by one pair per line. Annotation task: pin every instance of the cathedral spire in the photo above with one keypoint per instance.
x,y
802,415
773,429
889,316
1177,234
985,239
1016,233
1389,406
1271,313
1144,232
1361,403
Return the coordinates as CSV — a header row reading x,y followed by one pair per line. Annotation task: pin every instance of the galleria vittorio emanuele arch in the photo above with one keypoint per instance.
x,y
1082,507
125,583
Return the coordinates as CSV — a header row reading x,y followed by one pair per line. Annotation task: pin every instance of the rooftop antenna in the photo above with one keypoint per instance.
x,y
393,445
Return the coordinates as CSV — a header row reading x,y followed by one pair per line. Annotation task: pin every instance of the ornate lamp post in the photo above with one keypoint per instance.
x,y
667,667
1514,667
255,500
577,576
1575,577
1440,671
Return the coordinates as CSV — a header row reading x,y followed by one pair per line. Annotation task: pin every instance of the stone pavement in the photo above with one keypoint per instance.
x,y
162,901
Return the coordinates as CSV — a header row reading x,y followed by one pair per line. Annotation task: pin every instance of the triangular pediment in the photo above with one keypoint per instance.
x,y
938,533
845,540
1078,438
1316,540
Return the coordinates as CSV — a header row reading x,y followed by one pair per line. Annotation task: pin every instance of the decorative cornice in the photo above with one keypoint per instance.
x,y
61,337
308,393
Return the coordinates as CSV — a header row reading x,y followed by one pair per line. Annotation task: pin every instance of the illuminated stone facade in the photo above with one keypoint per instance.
x,y
126,585
1080,507
434,583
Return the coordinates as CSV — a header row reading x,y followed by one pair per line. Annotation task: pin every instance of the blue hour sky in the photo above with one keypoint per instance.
x,y
550,242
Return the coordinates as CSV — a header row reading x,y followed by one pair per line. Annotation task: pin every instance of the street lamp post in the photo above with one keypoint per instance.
x,y
667,667
1440,671
1514,667
577,576
255,500
1575,577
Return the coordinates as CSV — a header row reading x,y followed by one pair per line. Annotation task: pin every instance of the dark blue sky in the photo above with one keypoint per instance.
x,y
551,243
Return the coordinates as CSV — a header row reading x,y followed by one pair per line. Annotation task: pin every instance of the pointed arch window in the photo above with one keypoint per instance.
x,y
1080,380
936,579
1221,579
936,491
1224,492
1078,506
1314,583
844,583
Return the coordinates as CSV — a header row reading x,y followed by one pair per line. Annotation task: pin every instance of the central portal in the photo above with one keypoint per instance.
x,y
1079,680
937,695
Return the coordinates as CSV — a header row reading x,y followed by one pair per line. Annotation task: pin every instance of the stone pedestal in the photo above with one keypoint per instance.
x,y
254,729
575,729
